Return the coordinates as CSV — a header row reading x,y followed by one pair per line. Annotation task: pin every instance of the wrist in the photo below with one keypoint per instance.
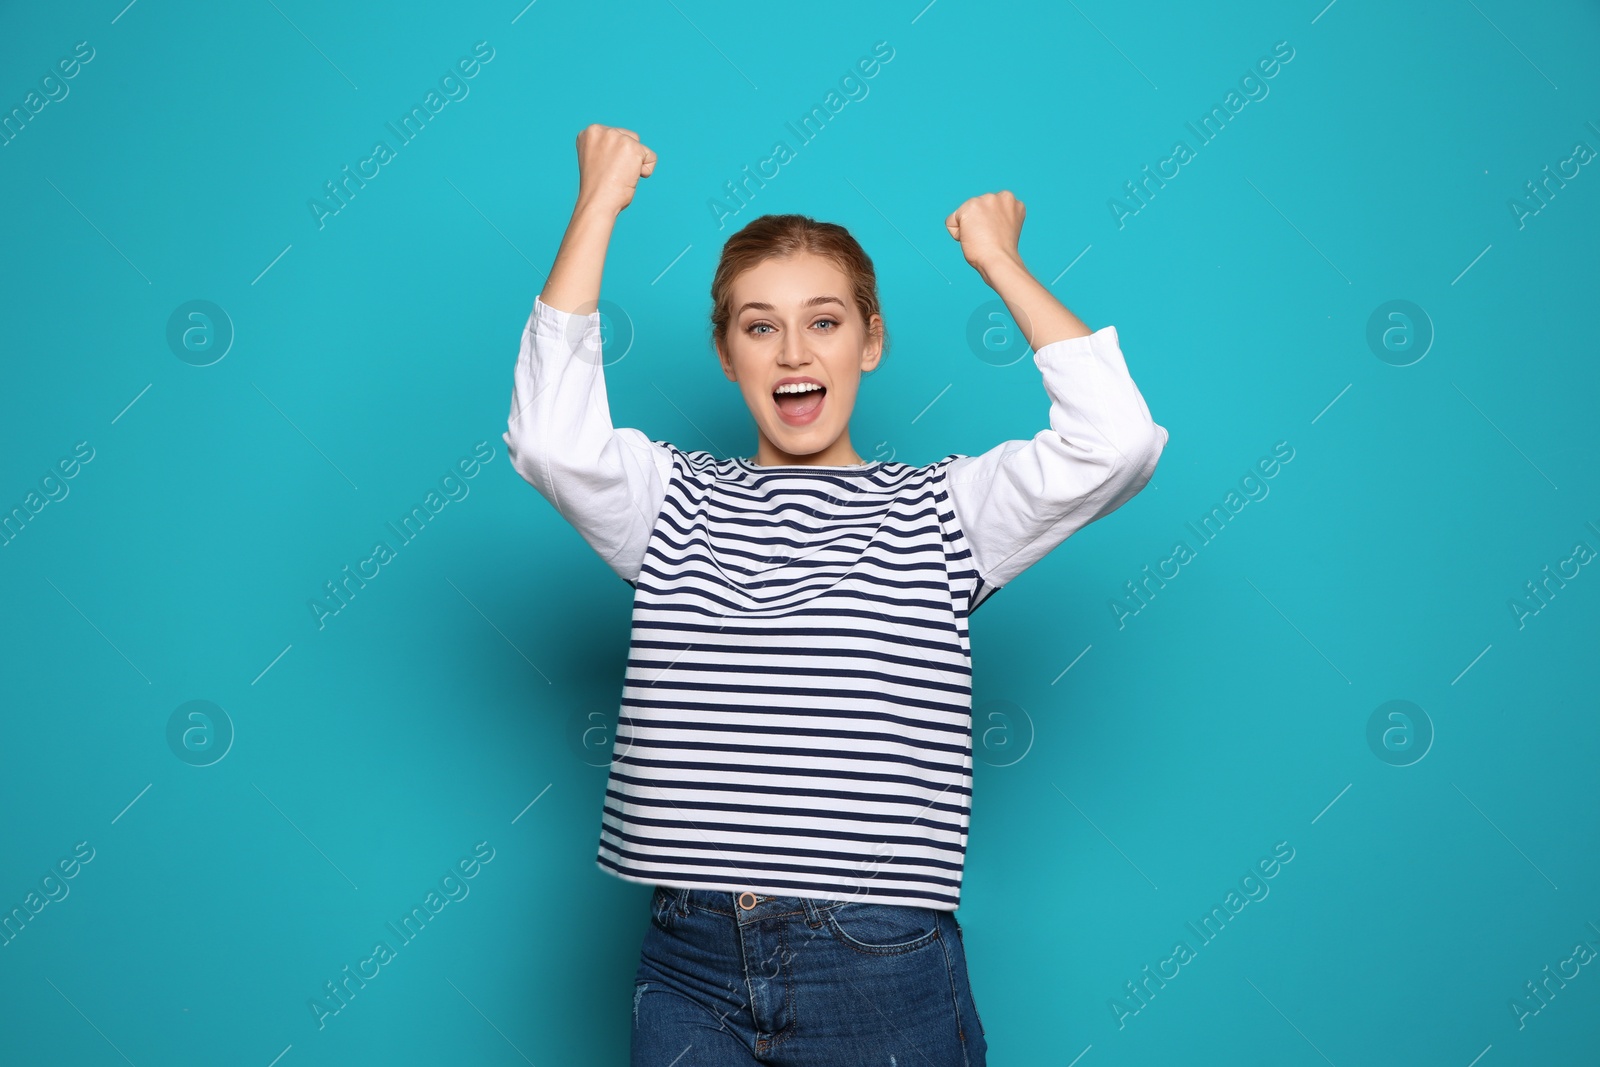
x,y
595,212
999,265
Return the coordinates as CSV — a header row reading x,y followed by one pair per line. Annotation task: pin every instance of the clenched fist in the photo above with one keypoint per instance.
x,y
610,163
988,227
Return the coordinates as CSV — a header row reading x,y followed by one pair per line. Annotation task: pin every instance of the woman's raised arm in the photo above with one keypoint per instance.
x,y
609,482
1021,498
610,163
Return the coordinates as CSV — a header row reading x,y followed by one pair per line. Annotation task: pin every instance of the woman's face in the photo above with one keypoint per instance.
x,y
793,318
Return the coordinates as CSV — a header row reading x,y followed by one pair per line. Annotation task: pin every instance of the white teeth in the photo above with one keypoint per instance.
x,y
797,387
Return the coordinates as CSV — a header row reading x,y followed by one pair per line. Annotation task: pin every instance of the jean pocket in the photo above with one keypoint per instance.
x,y
663,906
882,929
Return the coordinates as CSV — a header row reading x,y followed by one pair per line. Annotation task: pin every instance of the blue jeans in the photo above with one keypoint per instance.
x,y
801,982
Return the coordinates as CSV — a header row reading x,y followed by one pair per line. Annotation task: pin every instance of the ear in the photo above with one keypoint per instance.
x,y
727,364
872,353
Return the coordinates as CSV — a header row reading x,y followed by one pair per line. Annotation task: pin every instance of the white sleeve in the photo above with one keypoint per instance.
x,y
608,482
1020,499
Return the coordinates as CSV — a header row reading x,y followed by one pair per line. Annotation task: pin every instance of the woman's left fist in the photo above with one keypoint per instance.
x,y
988,227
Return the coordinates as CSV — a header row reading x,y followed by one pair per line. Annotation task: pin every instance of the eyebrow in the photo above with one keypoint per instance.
x,y
756,305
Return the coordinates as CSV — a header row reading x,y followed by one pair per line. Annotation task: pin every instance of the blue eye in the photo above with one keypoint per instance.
x,y
754,326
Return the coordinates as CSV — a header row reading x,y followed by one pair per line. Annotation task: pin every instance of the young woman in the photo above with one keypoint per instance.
x,y
792,764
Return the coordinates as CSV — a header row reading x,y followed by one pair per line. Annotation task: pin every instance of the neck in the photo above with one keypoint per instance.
x,y
838,454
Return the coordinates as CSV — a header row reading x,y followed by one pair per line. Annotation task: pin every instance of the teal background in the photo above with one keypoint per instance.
x,y
463,694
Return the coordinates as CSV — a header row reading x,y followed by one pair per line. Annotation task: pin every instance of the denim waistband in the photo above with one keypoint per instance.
x,y
732,902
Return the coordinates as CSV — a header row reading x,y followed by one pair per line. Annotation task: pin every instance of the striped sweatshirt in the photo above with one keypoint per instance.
x,y
796,710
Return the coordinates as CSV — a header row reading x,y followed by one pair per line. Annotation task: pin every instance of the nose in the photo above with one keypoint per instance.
x,y
792,352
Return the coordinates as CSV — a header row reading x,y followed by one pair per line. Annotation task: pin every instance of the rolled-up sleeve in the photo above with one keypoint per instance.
x,y
1022,498
608,482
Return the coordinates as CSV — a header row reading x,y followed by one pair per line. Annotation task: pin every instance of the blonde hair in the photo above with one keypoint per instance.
x,y
775,236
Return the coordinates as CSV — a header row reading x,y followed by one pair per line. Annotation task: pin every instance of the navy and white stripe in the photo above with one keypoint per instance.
x,y
796,711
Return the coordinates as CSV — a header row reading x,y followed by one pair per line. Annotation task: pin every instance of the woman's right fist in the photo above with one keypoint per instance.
x,y
610,163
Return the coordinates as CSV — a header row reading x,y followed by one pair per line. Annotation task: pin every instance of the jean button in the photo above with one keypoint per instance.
x,y
747,900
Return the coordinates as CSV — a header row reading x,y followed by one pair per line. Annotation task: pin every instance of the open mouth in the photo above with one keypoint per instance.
x,y
797,409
